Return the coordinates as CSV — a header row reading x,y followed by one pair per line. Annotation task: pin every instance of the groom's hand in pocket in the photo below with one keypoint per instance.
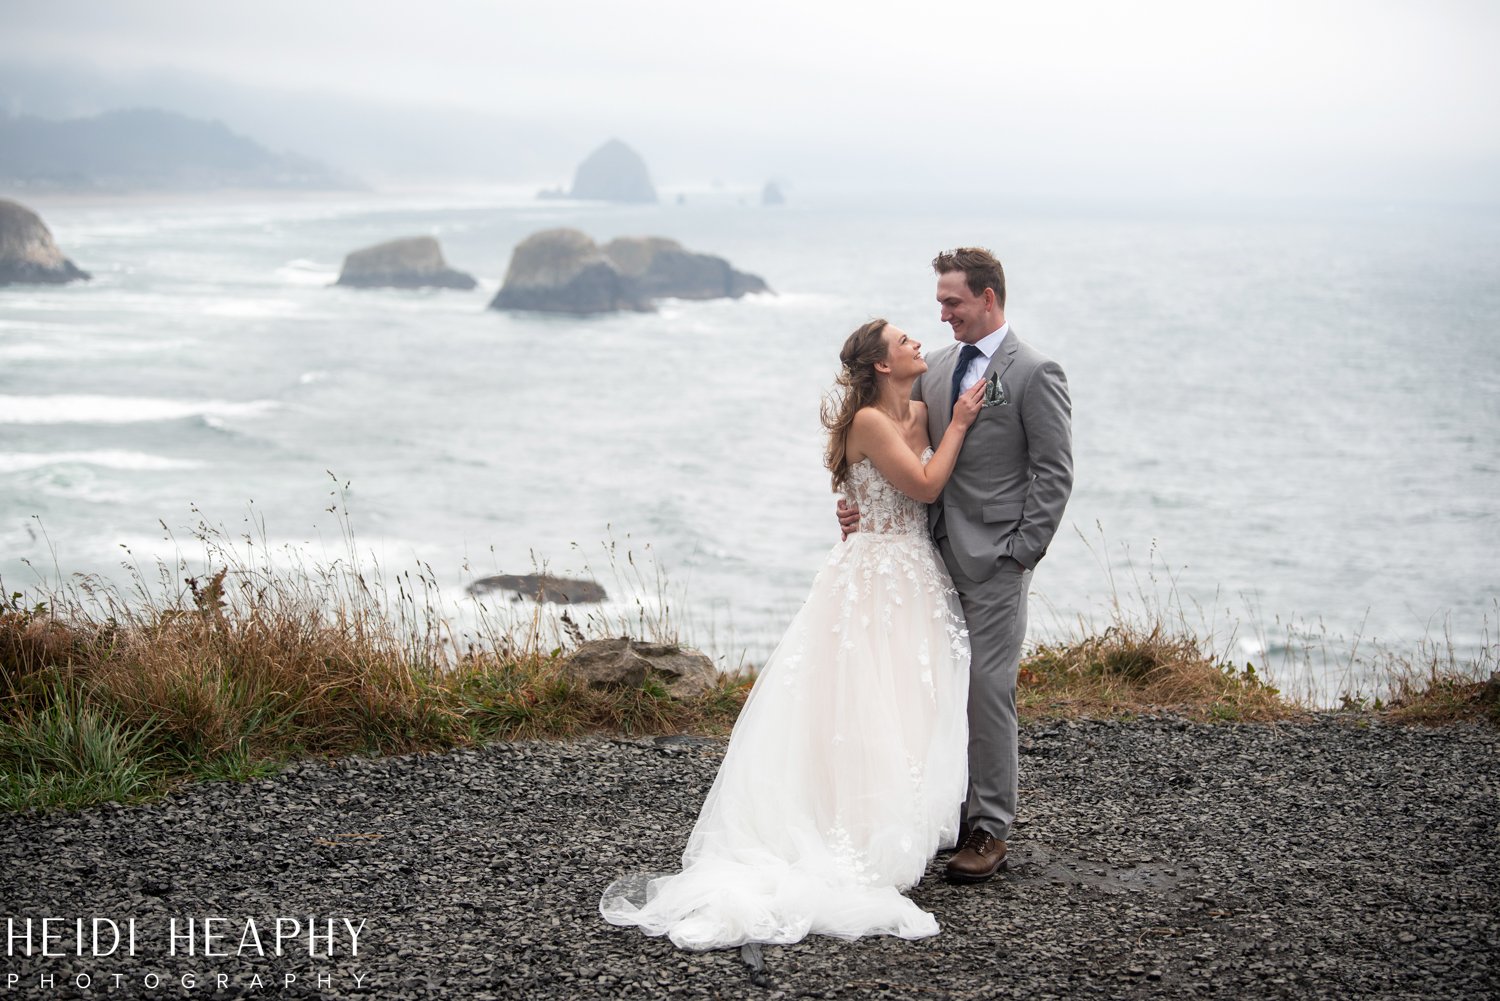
x,y
848,518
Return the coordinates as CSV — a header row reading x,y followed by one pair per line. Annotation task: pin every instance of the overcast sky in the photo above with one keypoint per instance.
x,y
1366,98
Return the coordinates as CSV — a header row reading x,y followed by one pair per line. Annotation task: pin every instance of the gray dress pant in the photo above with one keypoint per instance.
x,y
995,612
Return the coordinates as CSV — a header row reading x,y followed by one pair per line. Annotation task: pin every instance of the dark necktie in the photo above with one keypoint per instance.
x,y
968,354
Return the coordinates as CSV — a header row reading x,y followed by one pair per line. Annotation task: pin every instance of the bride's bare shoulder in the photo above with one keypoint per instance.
x,y
869,424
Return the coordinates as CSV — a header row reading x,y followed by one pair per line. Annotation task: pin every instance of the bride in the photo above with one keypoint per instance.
x,y
846,768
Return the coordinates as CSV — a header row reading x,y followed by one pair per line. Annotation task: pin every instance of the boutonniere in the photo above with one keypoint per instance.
x,y
994,393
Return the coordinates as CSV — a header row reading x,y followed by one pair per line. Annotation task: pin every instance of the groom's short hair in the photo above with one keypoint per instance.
x,y
981,270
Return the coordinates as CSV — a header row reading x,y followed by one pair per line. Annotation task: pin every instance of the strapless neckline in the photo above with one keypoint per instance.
x,y
926,455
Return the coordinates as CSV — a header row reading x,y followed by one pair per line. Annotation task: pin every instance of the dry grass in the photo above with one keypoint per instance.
x,y
1439,699
223,690
1436,685
1151,657
1158,655
229,674
1133,669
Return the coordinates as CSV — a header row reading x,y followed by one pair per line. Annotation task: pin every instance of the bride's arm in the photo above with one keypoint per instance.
x,y
875,435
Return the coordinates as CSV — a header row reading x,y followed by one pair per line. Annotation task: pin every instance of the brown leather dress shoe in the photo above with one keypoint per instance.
x,y
979,857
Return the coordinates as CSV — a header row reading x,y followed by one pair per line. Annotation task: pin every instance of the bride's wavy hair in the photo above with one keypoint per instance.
x,y
855,388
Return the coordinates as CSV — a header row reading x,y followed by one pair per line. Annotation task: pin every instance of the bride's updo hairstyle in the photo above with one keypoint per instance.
x,y
854,389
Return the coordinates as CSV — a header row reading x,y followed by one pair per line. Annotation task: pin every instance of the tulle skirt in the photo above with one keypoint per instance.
x,y
845,772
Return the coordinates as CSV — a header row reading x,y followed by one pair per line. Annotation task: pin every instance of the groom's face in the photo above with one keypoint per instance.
x,y
961,309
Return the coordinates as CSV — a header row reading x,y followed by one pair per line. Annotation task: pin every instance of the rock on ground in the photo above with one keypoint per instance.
x,y
1156,858
625,663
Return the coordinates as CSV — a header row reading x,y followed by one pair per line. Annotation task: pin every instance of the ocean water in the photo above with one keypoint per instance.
x,y
1286,419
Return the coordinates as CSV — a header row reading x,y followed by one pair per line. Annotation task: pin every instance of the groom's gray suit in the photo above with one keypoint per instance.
x,y
993,523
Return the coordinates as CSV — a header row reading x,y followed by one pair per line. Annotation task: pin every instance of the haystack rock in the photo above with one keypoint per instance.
x,y
661,268
771,194
613,173
415,262
27,253
563,271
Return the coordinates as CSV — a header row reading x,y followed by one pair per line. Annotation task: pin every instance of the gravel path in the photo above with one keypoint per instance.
x,y
1153,858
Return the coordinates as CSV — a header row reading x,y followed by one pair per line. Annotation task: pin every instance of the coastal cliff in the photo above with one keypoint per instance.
x,y
147,149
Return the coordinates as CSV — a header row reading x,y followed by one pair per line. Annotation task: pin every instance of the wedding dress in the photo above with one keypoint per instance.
x,y
846,768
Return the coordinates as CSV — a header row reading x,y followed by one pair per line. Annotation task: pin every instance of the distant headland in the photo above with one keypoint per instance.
x,y
146,149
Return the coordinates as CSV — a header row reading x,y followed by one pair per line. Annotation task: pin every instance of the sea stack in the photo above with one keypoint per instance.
x,y
613,173
661,268
563,271
771,194
414,262
27,252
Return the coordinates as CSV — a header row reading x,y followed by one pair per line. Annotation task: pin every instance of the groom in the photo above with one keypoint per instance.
x,y
993,522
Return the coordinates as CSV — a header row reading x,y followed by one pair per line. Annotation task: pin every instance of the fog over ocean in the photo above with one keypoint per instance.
x,y
1286,419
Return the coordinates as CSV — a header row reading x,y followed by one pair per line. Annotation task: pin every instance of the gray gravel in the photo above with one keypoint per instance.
x,y
1154,858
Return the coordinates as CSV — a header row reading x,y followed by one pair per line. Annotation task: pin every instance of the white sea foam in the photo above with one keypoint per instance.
x,y
81,484
41,304
31,326
304,272
13,462
36,352
1250,647
121,409
250,308
76,349
793,301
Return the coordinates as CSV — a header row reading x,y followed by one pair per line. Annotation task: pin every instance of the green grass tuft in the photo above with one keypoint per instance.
x,y
73,751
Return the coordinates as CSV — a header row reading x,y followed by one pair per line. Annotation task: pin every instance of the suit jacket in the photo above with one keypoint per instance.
x,y
1015,471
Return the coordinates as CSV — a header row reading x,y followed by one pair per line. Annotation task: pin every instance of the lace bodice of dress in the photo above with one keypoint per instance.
x,y
883,509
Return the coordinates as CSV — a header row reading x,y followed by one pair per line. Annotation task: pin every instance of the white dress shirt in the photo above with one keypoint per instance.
x,y
987,346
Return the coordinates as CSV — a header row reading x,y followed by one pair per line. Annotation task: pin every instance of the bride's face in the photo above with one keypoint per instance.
x,y
902,353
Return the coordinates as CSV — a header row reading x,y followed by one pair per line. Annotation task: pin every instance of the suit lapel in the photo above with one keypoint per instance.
x,y
1002,358
950,362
